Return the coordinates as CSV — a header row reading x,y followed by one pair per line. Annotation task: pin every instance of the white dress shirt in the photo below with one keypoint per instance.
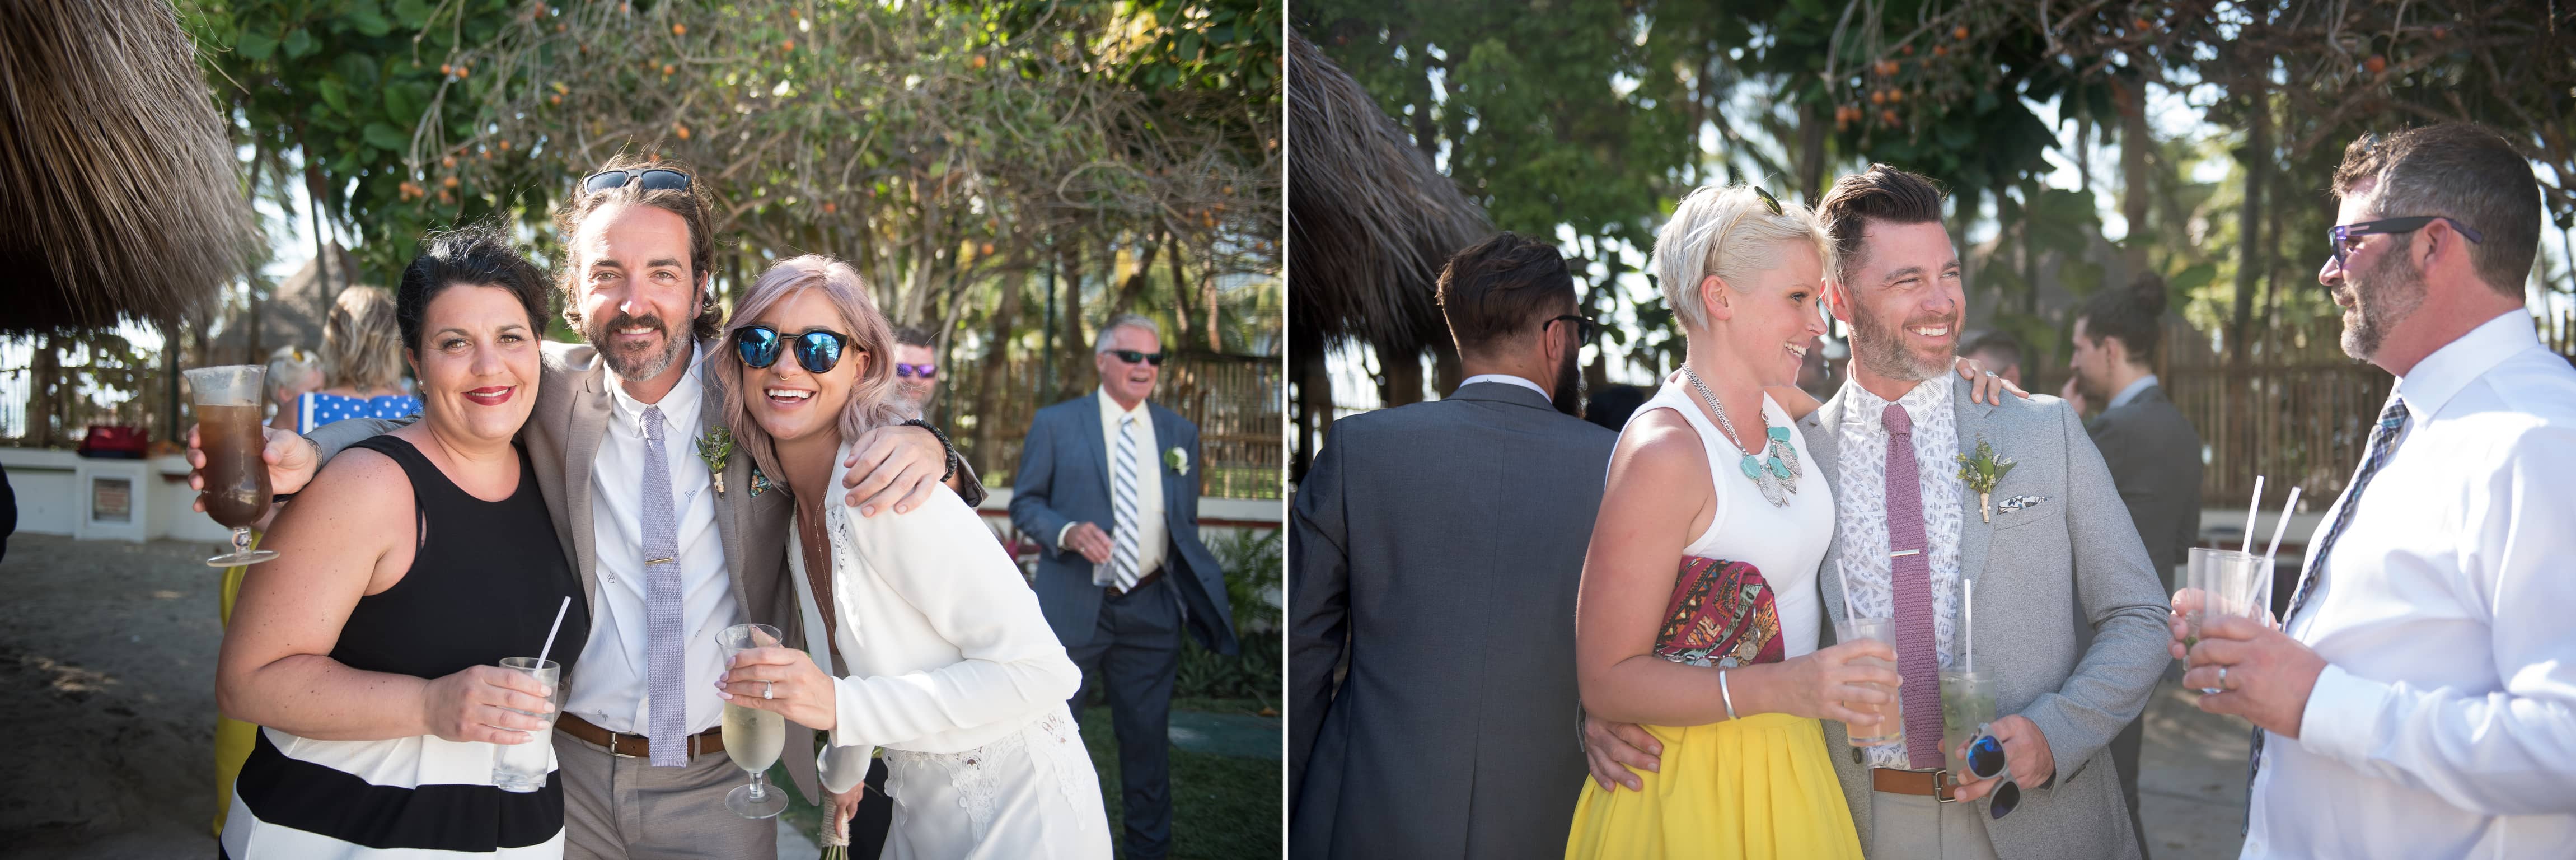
x,y
1506,379
1860,514
2130,393
613,688
2445,722
1151,532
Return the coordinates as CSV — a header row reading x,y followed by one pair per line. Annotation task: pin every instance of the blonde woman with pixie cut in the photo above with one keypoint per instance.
x,y
1698,616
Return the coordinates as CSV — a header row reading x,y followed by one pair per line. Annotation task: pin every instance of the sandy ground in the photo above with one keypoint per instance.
x,y
107,688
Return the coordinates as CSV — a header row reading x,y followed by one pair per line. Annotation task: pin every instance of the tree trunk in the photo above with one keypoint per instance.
x,y
1811,153
991,378
1181,291
2134,196
1399,375
1071,378
2249,222
1133,287
44,370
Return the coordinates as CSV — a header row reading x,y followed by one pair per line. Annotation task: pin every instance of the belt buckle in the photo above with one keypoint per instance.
x,y
1941,786
612,745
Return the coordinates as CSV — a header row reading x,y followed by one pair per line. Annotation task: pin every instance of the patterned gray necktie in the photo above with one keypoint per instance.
x,y
1122,559
665,642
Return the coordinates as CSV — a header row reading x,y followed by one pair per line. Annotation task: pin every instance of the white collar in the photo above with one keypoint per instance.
x,y
681,401
1506,379
1920,403
2442,374
2131,392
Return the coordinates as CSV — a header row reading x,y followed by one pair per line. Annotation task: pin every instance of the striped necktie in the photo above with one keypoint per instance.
x,y
665,648
2383,440
1122,558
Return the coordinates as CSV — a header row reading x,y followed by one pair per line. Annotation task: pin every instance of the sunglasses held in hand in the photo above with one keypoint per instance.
x,y
819,350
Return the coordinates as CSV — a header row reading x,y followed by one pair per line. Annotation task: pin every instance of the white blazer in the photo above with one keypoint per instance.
x,y
945,647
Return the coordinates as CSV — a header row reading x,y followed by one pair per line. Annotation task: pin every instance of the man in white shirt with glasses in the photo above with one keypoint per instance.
x,y
2420,700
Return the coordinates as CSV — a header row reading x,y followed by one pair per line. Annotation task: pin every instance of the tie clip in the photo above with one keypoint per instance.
x,y
1904,553
658,561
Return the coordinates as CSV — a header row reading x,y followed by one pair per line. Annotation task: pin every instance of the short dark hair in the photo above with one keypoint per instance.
x,y
2134,314
695,206
1500,287
913,335
1999,341
1883,194
2461,171
475,255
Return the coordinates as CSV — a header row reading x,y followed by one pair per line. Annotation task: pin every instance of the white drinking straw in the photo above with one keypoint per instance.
x,y
2253,509
1968,624
2279,527
550,633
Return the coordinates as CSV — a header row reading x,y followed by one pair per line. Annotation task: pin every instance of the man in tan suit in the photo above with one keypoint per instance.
x,y
671,555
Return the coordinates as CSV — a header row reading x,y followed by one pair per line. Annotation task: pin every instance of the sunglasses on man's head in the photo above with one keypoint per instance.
x,y
652,178
908,371
1133,357
819,350
2346,236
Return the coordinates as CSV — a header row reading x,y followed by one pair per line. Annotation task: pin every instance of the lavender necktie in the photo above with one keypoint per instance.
x,y
1910,581
665,651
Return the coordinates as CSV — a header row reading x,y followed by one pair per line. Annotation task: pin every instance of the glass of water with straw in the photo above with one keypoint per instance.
x,y
522,767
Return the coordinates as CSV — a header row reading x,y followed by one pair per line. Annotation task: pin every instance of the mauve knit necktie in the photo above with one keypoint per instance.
x,y
1910,581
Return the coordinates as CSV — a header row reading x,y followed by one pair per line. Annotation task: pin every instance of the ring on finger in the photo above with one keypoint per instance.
x,y
770,691
2222,679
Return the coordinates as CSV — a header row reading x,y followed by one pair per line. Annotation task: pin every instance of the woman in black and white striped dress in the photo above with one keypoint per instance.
x,y
368,650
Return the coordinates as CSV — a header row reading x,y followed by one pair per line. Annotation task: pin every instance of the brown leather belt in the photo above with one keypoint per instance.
x,y
1141,582
1935,784
634,746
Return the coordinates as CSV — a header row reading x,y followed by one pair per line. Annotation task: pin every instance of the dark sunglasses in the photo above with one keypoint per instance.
x,y
653,179
1133,357
819,350
1986,759
924,371
1584,327
2345,234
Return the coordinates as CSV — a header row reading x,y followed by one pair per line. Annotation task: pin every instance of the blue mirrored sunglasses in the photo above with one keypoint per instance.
x,y
1986,759
819,350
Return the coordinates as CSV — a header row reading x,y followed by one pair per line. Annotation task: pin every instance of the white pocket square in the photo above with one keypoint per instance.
x,y
2019,502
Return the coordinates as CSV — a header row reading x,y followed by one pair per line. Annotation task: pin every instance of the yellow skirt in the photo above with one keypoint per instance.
x,y
1760,787
233,738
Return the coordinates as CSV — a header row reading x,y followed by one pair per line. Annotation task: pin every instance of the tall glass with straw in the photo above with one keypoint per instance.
x,y
752,737
1891,715
522,767
1967,695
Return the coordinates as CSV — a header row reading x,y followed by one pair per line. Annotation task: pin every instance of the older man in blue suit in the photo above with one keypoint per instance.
x,y
1109,483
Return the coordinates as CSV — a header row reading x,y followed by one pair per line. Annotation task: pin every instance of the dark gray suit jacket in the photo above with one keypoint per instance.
x,y
2154,457
1439,545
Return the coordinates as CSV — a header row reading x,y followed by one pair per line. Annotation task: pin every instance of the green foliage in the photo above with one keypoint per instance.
x,y
1253,563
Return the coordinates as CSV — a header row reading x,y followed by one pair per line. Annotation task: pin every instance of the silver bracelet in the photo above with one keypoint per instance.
x,y
1724,693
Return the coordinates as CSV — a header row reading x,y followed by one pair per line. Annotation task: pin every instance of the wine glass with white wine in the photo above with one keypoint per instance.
x,y
752,737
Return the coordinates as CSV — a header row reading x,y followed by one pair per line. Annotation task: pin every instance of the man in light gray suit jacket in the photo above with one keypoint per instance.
x,y
2048,541
1438,546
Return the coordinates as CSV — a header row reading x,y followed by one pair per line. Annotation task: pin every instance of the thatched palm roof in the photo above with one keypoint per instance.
x,y
1370,221
120,195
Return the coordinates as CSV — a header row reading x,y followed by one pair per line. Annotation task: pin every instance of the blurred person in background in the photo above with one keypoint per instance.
x,y
292,371
1611,405
362,364
916,369
1998,351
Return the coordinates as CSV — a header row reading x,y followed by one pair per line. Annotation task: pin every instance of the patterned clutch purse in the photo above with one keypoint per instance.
x,y
1722,614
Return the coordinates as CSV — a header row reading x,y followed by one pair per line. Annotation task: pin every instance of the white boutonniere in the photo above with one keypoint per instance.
x,y
1178,459
1981,472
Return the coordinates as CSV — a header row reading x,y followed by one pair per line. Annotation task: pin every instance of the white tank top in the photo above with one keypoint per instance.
x,y
1787,544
